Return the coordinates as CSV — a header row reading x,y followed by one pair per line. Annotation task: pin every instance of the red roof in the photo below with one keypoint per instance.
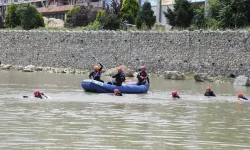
x,y
63,8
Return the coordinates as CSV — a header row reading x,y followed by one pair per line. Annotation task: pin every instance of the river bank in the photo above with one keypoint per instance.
x,y
214,52
168,75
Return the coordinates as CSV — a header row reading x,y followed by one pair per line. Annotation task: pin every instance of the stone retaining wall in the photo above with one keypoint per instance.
x,y
198,51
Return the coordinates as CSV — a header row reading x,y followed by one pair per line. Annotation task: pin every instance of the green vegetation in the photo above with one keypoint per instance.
x,y
182,14
29,17
129,11
70,13
1,22
81,16
220,14
146,15
99,16
12,19
24,15
110,22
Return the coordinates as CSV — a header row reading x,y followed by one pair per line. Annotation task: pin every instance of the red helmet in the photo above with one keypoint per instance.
x,y
240,95
116,91
119,69
208,88
96,68
174,92
143,68
37,92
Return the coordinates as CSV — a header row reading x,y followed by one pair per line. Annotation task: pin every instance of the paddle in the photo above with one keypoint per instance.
x,y
102,65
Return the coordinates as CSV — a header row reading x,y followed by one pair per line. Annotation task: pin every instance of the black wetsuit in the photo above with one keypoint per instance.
x,y
96,75
118,94
210,93
142,78
176,96
119,78
244,98
38,96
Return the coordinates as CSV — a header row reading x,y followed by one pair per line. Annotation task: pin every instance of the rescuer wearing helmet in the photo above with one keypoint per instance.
x,y
209,92
142,76
240,95
175,94
117,92
119,77
96,74
39,94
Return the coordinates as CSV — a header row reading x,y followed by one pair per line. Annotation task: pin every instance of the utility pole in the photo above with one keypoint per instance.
x,y
206,14
160,11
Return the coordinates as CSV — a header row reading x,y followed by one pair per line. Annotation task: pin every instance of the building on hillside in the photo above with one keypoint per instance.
x,y
58,8
57,12
160,6
51,8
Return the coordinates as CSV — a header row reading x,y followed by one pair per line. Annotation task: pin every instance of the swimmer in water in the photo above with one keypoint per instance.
x,y
209,92
241,96
37,94
175,94
117,92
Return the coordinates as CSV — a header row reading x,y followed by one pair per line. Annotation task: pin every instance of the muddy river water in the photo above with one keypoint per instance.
x,y
73,119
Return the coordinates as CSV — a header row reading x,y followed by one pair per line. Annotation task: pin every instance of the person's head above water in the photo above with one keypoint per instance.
x,y
116,91
96,68
208,89
143,68
37,93
119,69
174,93
240,95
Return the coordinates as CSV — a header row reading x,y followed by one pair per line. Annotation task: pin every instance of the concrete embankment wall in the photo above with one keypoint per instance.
x,y
198,51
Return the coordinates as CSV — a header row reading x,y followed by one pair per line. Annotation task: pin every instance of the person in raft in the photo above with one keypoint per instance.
x,y
39,94
142,76
96,74
209,92
119,77
117,92
241,96
175,94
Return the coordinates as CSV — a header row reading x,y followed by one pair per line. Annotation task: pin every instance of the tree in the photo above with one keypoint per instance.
x,y
234,13
129,11
110,22
70,13
1,22
214,8
12,20
199,19
146,14
81,17
100,15
29,17
181,15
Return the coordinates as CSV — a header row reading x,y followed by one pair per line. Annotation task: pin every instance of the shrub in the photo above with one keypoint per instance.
x,y
146,15
12,20
129,11
182,14
100,14
70,13
110,22
82,17
29,16
1,22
